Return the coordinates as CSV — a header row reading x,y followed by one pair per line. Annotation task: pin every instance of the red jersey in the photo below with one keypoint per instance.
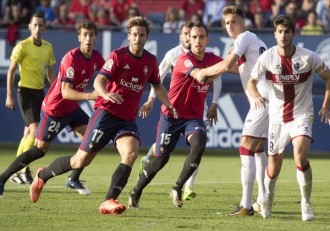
x,y
120,8
186,94
127,76
78,71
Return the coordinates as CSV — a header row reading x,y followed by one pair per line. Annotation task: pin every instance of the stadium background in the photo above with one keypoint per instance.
x,y
232,108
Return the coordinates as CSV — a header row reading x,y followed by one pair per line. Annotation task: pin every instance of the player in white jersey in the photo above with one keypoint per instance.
x,y
288,73
210,114
246,50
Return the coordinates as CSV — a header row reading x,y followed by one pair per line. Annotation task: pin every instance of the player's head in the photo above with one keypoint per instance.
x,y
138,29
185,34
234,19
37,25
284,28
198,38
87,31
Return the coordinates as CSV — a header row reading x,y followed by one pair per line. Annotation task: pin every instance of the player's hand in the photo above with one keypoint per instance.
x,y
93,95
114,98
146,107
212,113
10,102
173,111
200,76
260,102
325,115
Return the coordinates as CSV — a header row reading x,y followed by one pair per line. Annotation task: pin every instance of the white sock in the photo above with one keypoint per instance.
x,y
191,180
261,164
248,173
305,184
269,184
150,153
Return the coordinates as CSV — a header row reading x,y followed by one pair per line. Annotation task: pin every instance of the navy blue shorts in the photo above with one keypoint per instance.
x,y
104,127
50,126
169,131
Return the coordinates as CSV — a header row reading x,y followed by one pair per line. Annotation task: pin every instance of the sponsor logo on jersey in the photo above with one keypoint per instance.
x,y
70,72
108,65
200,87
287,78
133,85
127,67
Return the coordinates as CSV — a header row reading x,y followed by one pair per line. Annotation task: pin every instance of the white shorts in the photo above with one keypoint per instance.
x,y
280,134
256,123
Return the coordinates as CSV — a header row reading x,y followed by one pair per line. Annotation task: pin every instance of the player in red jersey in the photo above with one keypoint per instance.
x,y
60,107
188,96
120,85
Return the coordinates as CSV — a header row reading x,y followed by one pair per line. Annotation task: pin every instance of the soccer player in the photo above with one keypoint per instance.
x,y
60,107
288,73
35,58
120,84
188,96
210,114
245,52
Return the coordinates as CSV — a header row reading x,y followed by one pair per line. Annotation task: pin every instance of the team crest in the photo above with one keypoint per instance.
x,y
108,65
187,63
145,70
296,66
70,72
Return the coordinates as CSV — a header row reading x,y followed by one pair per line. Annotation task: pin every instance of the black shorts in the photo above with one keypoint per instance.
x,y
29,102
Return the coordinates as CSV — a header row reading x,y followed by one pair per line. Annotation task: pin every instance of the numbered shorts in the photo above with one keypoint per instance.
x,y
256,123
50,126
280,134
169,131
29,102
104,127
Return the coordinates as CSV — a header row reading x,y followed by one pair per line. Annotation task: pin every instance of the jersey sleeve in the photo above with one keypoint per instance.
x,y
259,70
17,53
110,65
52,59
68,69
240,45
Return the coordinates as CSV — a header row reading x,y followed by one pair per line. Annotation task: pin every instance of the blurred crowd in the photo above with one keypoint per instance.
x,y
312,16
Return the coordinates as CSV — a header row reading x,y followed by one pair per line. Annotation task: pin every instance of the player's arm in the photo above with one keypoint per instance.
x,y
210,73
324,73
100,87
71,94
51,76
259,101
212,111
162,96
10,102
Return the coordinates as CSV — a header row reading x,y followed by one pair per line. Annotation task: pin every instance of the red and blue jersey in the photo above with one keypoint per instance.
x,y
76,70
127,75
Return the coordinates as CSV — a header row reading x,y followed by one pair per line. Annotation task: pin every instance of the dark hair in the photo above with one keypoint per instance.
x,y
199,24
138,21
38,14
285,20
187,24
86,24
233,10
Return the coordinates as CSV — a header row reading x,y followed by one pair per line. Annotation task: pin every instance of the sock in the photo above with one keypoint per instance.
x,y
190,182
269,184
248,173
304,178
118,181
57,167
75,174
261,164
21,162
150,153
20,147
28,143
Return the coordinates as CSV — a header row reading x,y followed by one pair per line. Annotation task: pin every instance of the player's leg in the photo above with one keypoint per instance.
x,y
146,159
301,146
188,192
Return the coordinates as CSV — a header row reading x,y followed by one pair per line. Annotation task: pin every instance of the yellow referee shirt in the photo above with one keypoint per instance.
x,y
33,62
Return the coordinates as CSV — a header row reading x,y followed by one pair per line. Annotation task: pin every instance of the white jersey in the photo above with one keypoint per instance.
x,y
289,82
249,47
169,62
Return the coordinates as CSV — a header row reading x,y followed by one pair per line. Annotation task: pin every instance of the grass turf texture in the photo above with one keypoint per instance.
x,y
217,186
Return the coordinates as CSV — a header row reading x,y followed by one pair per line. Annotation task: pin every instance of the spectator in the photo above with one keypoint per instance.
x,y
190,7
119,9
323,12
212,15
17,12
80,9
259,19
265,7
305,7
99,5
102,17
132,12
172,21
312,27
278,8
63,18
291,9
196,18
248,14
48,11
